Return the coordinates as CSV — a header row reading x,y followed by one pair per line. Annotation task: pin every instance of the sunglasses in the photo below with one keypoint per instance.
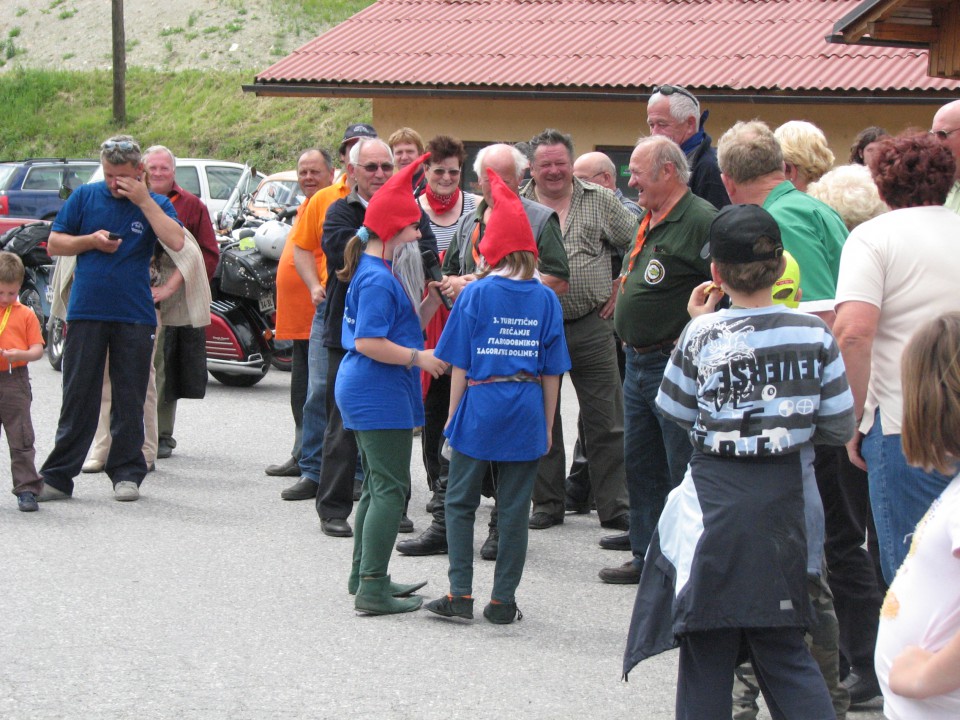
x,y
373,167
439,172
122,145
668,90
943,134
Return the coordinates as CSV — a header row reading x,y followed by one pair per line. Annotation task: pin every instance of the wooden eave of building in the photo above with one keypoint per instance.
x,y
930,24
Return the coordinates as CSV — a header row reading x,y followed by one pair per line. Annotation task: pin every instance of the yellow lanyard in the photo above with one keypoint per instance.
x,y
3,326
6,316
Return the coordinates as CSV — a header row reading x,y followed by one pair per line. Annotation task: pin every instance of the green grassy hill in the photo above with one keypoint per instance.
x,y
195,112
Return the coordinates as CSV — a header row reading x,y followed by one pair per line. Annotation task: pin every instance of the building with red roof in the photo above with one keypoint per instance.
x,y
502,70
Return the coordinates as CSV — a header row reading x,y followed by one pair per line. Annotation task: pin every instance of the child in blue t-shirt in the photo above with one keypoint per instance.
x,y
378,383
505,342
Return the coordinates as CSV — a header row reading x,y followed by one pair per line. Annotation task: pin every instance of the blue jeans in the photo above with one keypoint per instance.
x,y
315,408
514,488
656,450
899,495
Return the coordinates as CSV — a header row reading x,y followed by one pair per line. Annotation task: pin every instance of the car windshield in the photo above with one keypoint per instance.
x,y
278,192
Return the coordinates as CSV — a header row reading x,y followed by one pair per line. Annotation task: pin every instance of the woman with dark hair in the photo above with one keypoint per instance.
x,y
868,136
442,199
896,271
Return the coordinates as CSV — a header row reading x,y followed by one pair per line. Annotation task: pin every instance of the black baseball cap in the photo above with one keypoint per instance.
x,y
736,229
358,130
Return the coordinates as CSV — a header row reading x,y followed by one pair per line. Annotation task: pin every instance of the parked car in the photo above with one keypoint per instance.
x,y
210,180
32,188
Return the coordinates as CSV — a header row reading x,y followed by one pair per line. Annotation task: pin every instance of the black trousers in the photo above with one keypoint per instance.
x,y
85,353
851,571
299,379
339,465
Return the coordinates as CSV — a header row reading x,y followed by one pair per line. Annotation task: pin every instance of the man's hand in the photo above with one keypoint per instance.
x,y
453,285
134,189
606,312
703,299
103,242
853,451
318,294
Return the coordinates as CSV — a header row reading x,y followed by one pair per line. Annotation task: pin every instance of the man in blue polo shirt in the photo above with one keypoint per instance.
x,y
112,228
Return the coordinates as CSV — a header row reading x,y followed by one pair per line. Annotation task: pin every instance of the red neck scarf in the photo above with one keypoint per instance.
x,y
441,203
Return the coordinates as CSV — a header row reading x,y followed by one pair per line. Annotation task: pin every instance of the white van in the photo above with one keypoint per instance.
x,y
210,180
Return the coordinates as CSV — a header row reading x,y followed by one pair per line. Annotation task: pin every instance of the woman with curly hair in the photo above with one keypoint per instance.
x,y
896,271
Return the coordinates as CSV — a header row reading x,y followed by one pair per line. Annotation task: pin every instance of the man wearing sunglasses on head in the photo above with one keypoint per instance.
x,y
675,113
946,126
112,228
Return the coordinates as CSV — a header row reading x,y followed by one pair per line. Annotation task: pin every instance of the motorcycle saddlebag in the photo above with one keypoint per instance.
x,y
29,242
247,273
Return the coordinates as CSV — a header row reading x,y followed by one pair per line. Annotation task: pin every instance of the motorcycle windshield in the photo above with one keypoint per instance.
x,y
232,210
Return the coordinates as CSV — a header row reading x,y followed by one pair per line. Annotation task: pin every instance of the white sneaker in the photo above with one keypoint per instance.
x,y
126,491
92,466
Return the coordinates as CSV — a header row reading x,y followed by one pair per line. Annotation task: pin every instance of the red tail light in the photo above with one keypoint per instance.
x,y
4,205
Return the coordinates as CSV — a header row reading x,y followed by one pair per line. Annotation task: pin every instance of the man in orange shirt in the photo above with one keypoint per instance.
x,y
295,307
304,240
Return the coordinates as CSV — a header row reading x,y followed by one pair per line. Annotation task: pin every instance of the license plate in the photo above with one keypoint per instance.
x,y
49,293
266,304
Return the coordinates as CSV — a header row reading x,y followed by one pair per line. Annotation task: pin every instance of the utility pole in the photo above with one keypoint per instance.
x,y
119,66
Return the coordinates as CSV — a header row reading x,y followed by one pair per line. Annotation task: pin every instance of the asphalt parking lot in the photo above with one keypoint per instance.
x,y
212,598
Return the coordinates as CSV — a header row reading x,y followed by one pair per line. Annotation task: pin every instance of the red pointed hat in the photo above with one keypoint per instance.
x,y
508,229
393,206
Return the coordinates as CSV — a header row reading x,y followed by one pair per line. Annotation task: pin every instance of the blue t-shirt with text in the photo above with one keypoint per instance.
x,y
499,328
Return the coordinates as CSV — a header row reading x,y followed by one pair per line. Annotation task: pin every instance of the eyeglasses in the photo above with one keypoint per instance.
x,y
122,145
943,134
373,167
439,172
668,90
590,179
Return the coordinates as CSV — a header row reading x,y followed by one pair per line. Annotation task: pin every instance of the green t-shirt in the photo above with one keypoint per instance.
x,y
652,303
814,234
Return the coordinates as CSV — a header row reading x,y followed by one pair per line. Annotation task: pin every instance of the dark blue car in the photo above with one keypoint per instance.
x,y
32,188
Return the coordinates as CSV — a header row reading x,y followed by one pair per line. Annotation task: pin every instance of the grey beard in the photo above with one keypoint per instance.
x,y
408,269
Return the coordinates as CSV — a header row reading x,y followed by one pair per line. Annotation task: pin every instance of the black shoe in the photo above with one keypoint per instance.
x,y
502,613
488,551
542,521
626,574
406,525
335,527
27,502
165,448
291,468
862,686
303,489
620,522
430,542
576,507
433,503
615,542
450,606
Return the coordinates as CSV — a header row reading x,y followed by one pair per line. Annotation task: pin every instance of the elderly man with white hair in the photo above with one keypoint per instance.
x,y
674,112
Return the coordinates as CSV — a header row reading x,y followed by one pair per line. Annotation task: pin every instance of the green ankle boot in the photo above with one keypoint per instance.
x,y
374,598
396,589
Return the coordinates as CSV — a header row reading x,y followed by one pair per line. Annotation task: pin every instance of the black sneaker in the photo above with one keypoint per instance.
x,y
488,551
27,502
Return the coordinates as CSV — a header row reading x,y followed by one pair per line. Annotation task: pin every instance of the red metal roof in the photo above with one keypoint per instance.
x,y
613,45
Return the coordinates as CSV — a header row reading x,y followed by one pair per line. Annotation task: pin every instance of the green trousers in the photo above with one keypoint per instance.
x,y
385,456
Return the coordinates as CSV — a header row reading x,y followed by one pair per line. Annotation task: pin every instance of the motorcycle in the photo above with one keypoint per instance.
x,y
29,243
240,343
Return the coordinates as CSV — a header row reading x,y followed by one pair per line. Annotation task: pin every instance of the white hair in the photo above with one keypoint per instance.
x,y
354,158
520,161
160,148
681,106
